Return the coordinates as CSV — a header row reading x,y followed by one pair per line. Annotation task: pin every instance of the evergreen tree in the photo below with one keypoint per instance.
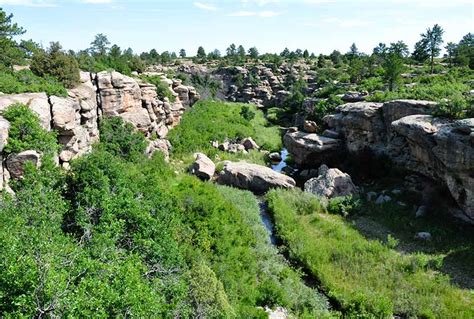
x,y
432,40
201,53
253,53
10,52
231,50
306,54
321,61
393,68
55,62
100,45
182,53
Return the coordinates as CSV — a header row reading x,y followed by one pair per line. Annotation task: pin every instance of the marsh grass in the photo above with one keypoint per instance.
x,y
367,277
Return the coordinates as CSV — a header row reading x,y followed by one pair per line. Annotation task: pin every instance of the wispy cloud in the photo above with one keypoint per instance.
x,y
260,14
28,3
205,6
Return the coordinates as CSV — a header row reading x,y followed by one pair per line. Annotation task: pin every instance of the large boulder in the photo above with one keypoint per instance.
x,y
16,162
203,167
310,148
331,183
253,177
37,102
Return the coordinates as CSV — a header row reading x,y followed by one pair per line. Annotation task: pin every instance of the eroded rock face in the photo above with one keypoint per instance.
x,y
203,167
37,102
15,163
310,147
403,130
331,183
253,177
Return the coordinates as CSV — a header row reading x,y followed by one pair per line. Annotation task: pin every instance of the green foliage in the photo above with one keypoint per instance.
x,y
162,88
247,112
393,68
343,206
26,132
11,52
368,278
25,81
56,63
121,139
211,120
456,108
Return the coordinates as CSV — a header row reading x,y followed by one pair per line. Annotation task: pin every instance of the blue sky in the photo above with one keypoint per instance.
x,y
270,25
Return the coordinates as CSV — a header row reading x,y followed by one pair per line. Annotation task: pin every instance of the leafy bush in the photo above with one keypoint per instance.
x,y
162,88
343,206
121,139
247,113
25,81
26,132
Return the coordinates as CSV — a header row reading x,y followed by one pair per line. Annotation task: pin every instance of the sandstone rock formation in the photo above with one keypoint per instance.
x,y
76,116
256,178
310,147
440,149
331,183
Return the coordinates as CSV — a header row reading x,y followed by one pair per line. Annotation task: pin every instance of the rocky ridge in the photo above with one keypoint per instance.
x,y
406,132
105,94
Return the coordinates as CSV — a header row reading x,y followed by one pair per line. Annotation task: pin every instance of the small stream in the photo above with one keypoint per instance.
x,y
309,279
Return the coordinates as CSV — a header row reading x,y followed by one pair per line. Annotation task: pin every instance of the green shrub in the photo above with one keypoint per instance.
x,y
343,206
26,132
25,81
162,88
121,139
247,113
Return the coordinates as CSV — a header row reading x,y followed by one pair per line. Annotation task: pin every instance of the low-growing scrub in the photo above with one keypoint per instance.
x,y
25,81
212,120
368,278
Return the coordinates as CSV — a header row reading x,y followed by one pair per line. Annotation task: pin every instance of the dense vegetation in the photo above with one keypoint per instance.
x,y
99,241
367,277
211,120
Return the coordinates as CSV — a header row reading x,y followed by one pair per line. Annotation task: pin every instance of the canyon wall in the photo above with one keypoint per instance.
x,y
76,117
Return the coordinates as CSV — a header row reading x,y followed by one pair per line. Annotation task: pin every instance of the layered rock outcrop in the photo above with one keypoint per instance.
x,y
76,117
403,130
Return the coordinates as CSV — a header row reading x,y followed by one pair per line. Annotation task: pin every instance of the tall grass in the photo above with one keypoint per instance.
x,y
368,278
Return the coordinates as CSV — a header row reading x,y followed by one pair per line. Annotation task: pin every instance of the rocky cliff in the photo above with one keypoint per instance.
x,y
404,130
76,117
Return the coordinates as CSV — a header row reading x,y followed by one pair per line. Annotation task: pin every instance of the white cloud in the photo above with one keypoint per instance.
x,y
260,14
205,6
28,3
